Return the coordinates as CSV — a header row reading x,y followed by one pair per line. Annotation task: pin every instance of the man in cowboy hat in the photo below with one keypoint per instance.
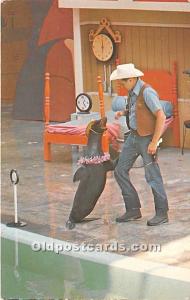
x,y
146,120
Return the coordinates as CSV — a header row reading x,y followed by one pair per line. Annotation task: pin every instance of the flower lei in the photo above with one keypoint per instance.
x,y
93,160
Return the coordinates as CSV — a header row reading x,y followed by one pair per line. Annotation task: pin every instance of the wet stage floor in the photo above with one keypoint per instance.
x,y
46,193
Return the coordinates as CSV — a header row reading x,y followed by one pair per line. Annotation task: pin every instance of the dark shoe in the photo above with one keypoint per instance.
x,y
130,215
160,218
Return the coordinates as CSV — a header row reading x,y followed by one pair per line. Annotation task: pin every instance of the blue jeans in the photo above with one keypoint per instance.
x,y
134,146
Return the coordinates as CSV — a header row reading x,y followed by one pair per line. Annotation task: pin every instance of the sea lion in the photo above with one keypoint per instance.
x,y
92,173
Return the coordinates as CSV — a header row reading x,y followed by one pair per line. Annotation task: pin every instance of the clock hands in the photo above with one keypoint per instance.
x,y
85,102
102,47
102,43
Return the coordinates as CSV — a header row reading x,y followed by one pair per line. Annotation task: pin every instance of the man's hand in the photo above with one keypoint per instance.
x,y
160,120
118,114
152,147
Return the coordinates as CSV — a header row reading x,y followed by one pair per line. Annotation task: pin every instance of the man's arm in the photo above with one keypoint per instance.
x,y
152,101
122,113
160,120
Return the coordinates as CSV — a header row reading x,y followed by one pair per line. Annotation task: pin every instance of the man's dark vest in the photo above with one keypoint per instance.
x,y
145,119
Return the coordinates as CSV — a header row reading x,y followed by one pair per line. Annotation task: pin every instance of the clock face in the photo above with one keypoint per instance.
x,y
84,102
102,47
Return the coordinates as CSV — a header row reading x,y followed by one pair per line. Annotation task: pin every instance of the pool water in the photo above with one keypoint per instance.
x,y
37,275
28,274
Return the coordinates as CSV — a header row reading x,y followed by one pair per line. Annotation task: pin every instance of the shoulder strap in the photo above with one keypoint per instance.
x,y
128,108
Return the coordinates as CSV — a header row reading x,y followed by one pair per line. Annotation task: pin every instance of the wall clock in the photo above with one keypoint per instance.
x,y
104,40
103,47
84,103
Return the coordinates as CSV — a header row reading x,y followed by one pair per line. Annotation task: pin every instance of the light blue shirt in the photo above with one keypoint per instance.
x,y
151,99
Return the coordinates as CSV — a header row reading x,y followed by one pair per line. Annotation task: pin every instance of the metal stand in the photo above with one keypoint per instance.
x,y
15,179
18,224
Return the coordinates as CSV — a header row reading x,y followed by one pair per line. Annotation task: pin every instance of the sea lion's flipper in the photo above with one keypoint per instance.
x,y
80,173
110,164
70,225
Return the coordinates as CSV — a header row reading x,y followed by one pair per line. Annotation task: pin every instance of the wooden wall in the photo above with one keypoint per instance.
x,y
154,43
16,29
147,48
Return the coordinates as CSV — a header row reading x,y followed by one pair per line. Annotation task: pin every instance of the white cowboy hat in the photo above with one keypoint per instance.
x,y
125,71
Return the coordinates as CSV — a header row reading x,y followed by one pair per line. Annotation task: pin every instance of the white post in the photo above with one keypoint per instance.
x,y
15,203
77,52
15,179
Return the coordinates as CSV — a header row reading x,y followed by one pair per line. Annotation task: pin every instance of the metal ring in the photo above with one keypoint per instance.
x,y
13,174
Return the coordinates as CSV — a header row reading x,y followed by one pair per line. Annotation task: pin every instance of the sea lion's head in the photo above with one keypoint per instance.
x,y
97,126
